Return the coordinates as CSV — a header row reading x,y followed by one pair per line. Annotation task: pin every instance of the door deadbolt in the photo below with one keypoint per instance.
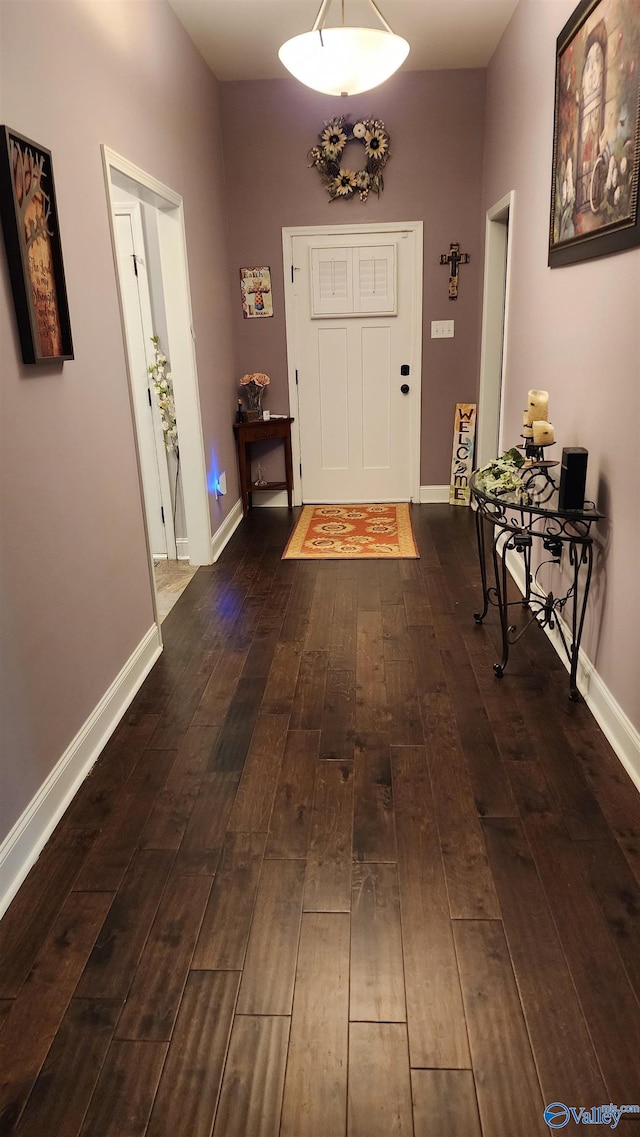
x,y
405,388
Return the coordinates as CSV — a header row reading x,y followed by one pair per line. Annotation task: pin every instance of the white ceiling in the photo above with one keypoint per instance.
x,y
239,39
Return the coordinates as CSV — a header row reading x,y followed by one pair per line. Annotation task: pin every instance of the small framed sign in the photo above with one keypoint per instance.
x,y
464,433
255,286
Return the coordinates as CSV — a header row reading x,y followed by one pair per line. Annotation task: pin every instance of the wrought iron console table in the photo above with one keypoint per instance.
x,y
516,519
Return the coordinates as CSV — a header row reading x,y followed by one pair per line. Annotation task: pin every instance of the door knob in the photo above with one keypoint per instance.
x,y
405,388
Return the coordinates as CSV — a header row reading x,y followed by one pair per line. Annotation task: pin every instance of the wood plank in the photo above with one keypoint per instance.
x,y
28,919
327,886
175,802
233,742
184,700
444,1101
216,697
155,994
308,700
222,942
405,720
124,1095
263,646
416,605
338,716
426,659
190,1083
601,982
210,817
315,1089
254,800
318,637
98,795
270,964
509,1097
37,1011
379,1081
377,975
282,679
296,620
109,859
491,787
114,959
65,1085
253,1084
342,649
371,691
618,894
395,633
291,817
469,882
435,1015
374,834
567,1066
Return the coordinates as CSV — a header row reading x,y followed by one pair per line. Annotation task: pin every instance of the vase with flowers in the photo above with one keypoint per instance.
x,y
253,386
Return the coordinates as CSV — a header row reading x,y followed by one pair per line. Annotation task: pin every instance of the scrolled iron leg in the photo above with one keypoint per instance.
x,y
500,574
580,553
479,616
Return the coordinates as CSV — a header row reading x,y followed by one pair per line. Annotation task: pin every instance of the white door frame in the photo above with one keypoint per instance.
x,y
158,470
384,227
495,326
180,348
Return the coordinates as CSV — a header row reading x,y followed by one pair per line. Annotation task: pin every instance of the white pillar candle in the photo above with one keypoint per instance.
x,y
543,433
527,432
526,421
538,406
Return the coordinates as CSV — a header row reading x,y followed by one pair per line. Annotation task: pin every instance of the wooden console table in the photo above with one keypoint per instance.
x,y
261,431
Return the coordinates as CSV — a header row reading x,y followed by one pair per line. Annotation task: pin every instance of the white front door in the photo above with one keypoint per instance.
x,y
354,341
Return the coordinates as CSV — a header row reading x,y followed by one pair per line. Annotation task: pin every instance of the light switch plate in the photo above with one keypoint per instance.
x,y
442,329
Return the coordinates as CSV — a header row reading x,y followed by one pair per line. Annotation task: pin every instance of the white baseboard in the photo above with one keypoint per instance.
x,y
182,548
277,498
225,531
434,495
612,720
23,845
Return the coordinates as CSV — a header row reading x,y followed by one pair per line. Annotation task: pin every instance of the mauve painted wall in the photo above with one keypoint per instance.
x,y
435,120
574,331
75,580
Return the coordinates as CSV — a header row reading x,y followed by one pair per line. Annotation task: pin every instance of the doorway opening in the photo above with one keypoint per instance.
x,y
495,321
149,246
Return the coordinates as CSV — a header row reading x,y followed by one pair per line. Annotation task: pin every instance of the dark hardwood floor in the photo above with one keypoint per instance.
x,y
331,878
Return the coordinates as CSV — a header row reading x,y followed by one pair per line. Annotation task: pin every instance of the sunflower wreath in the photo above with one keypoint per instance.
x,y
327,157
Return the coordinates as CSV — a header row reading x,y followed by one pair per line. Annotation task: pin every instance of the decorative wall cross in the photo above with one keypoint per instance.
x,y
454,258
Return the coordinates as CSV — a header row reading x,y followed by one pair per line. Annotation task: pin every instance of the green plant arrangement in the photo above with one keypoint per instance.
x,y
502,475
328,157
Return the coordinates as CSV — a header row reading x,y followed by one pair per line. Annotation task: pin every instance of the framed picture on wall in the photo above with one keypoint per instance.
x,y
34,254
596,137
255,286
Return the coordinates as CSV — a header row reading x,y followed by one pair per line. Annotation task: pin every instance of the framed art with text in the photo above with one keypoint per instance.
x,y
34,254
255,286
596,137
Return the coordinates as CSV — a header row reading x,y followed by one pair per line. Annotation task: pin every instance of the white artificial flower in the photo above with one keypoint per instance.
x,y
359,130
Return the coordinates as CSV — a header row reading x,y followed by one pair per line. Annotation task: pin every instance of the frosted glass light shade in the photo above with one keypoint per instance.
x,y
344,61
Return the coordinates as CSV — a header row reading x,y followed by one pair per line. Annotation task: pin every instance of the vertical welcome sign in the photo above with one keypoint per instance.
x,y
464,432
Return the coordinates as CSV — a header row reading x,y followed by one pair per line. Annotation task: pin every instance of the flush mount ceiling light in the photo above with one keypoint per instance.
x,y
344,60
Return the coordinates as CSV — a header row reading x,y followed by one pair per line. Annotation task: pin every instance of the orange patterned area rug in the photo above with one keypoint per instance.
x,y
352,532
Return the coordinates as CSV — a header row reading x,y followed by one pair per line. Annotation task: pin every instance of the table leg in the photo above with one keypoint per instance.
x,y
479,616
579,554
244,476
288,467
500,573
